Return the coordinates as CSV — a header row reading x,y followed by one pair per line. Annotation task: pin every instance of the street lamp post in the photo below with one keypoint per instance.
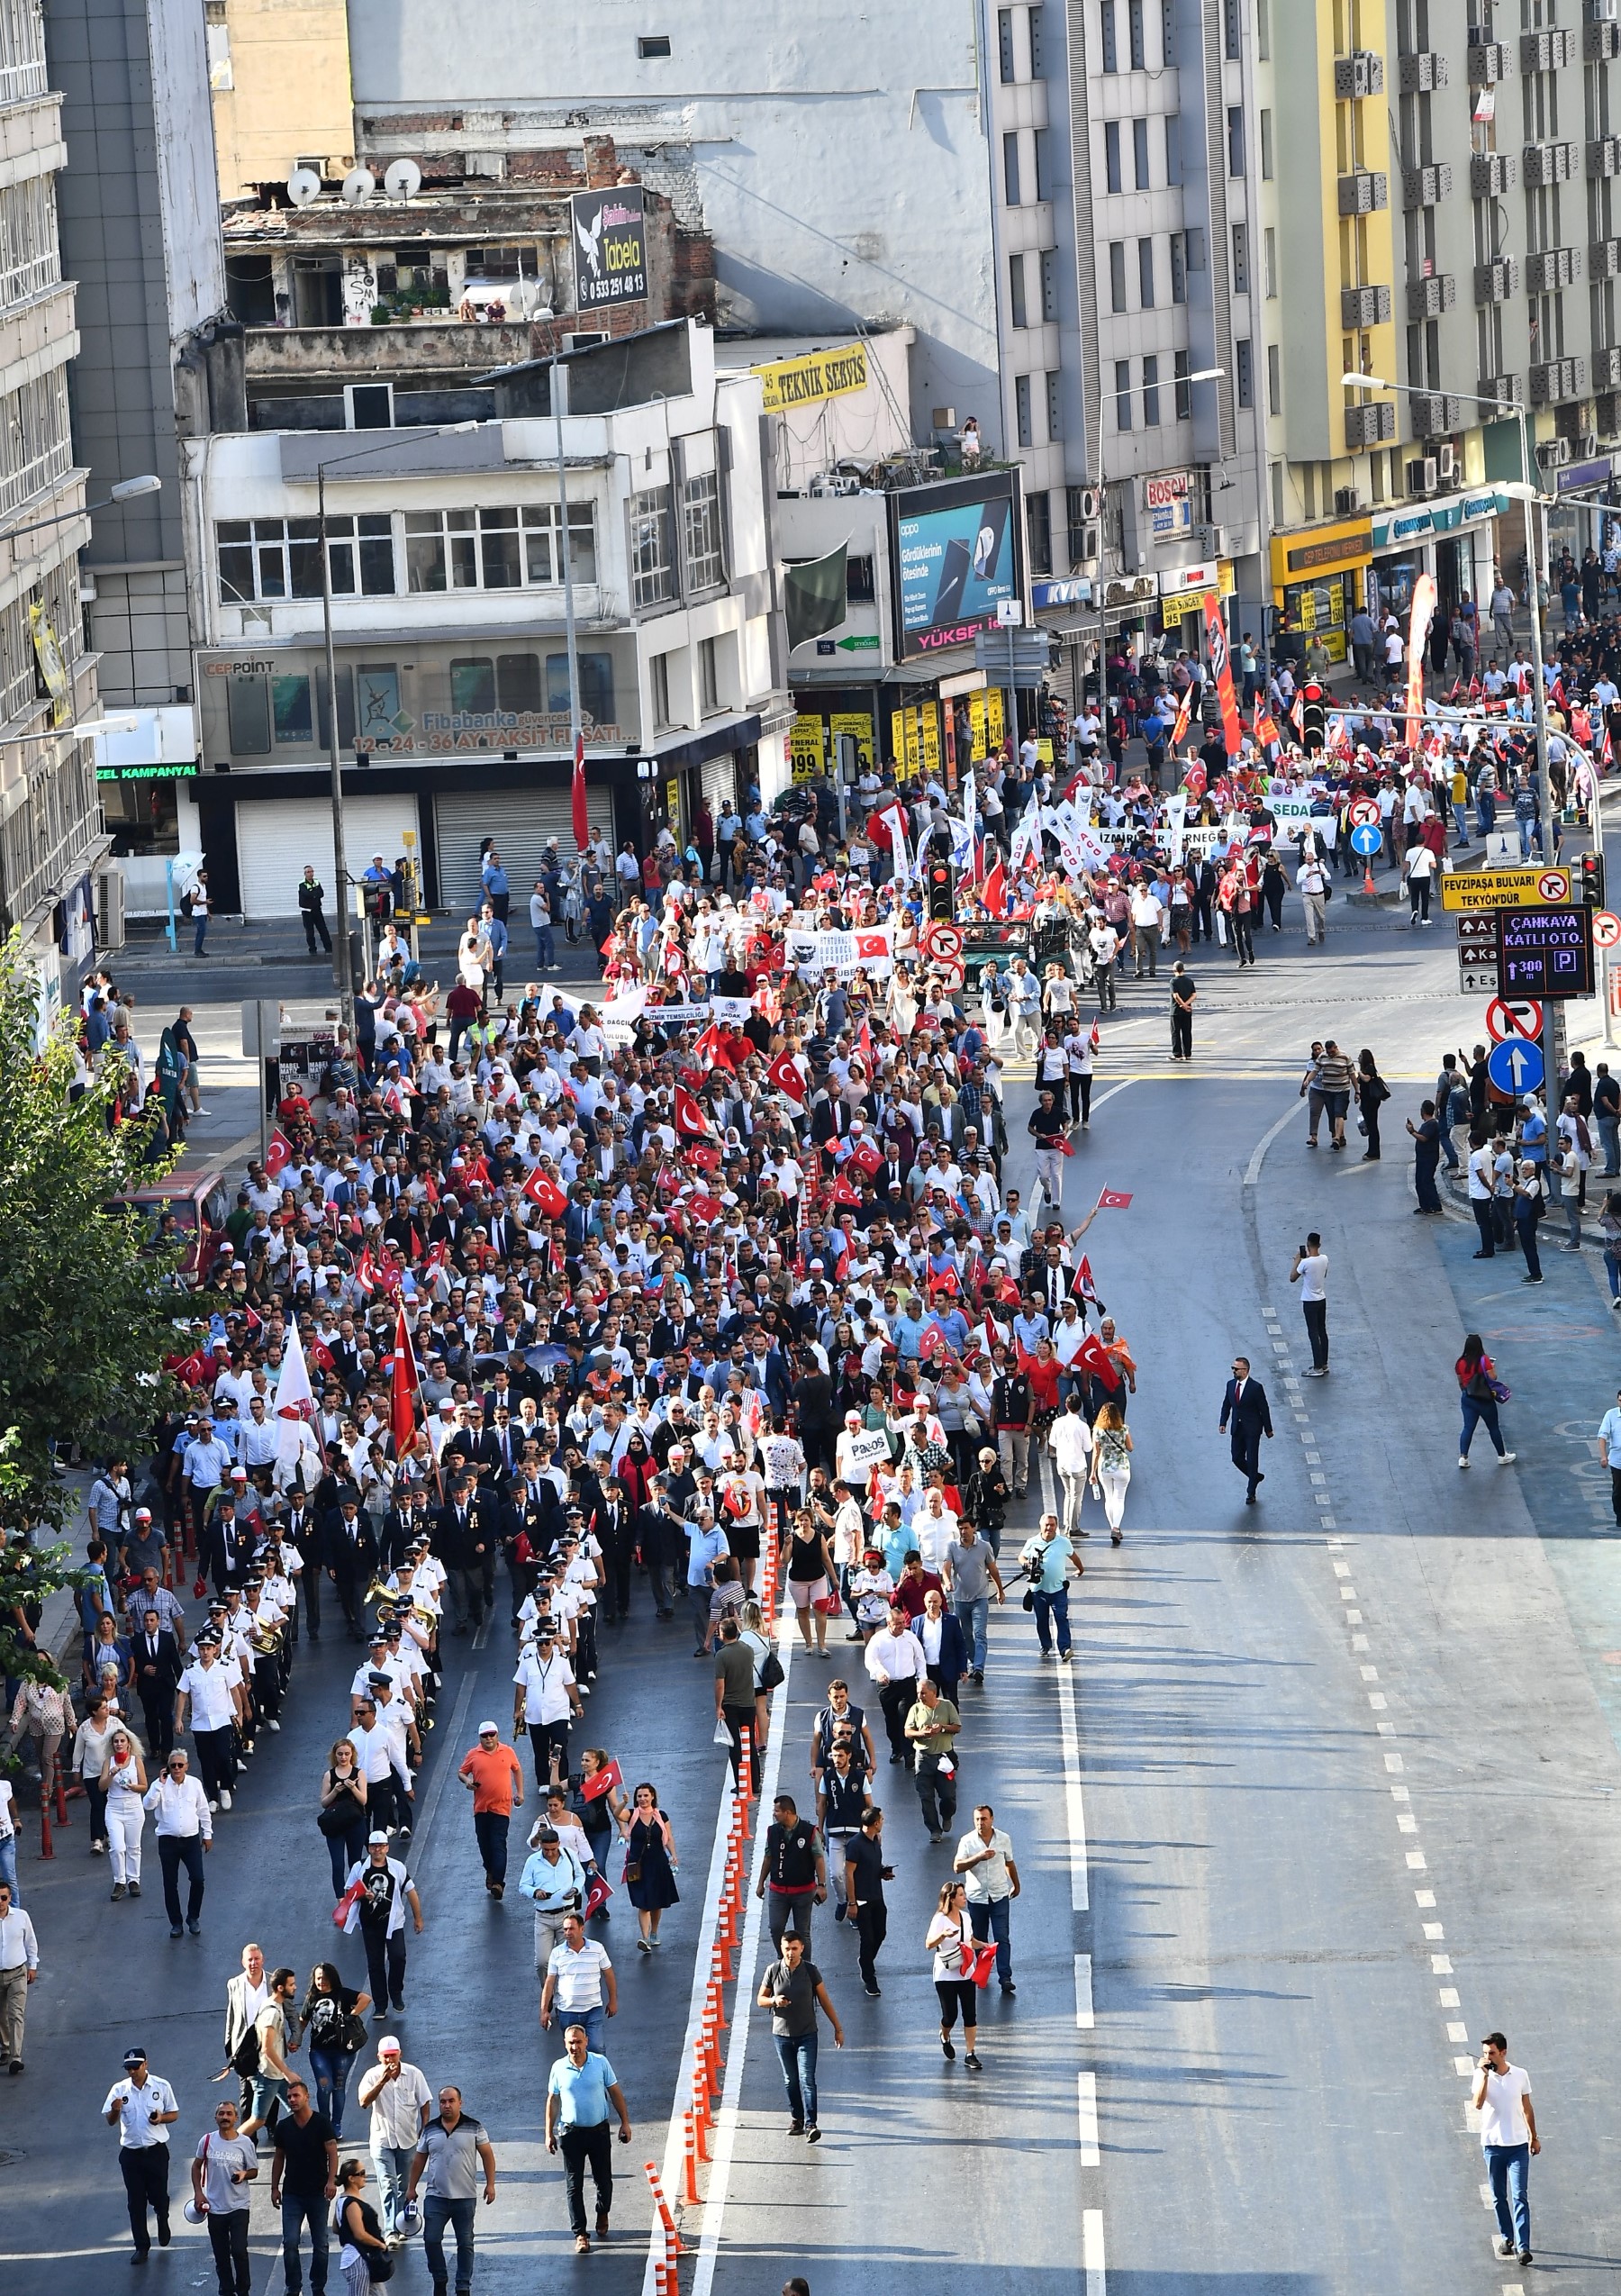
x,y
1528,494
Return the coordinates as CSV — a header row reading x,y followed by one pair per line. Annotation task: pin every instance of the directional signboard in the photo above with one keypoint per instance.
x,y
1507,889
1545,952
1516,1067
1474,980
1366,838
1606,929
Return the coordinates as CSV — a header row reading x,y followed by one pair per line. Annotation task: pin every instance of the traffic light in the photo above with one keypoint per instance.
x,y
942,891
374,897
1313,714
1590,880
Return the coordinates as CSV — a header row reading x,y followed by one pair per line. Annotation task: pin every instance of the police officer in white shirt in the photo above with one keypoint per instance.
x,y
142,2108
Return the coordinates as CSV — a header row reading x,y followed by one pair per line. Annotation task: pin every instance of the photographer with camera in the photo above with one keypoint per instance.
x,y
1310,1272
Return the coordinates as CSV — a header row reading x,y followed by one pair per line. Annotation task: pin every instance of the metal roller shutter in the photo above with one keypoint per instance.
x,y
718,779
520,821
276,836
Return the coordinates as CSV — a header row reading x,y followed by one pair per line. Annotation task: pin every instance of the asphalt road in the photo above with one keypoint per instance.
x,y
1338,1800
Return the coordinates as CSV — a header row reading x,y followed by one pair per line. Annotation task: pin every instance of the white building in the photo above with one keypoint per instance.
x,y
444,551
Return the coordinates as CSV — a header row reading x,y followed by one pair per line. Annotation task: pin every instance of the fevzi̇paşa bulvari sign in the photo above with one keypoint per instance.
x,y
1507,889
818,374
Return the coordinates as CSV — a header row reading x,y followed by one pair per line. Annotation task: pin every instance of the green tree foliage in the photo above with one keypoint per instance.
x,y
84,1313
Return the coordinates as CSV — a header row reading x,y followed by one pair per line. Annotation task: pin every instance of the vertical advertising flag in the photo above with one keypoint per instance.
x,y
1221,666
1418,628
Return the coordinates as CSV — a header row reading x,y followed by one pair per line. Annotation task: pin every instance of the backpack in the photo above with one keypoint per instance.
x,y
245,2056
186,904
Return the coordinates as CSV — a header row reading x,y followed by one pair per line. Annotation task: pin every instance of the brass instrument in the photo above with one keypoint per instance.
x,y
267,1641
379,1590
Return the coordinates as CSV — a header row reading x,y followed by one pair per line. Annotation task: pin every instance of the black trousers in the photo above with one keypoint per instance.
x,y
550,1743
216,1760
311,1576
314,925
1316,1312
897,1699
384,1966
738,1720
174,1851
579,2146
1246,1453
146,2174
871,1928
1080,1099
1616,1492
228,2237
159,1712
1182,1032
616,1567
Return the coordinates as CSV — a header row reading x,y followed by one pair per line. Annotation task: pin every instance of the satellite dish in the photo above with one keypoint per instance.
x,y
525,298
403,179
303,186
359,185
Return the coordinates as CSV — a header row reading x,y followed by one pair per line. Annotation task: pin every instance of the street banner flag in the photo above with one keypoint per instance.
x,y
1221,664
402,1386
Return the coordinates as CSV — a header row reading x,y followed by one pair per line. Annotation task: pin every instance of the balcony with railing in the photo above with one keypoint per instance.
x,y
24,75
1495,282
1554,268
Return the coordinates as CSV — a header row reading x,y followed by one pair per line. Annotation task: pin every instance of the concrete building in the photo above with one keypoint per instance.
x,y
158,355
279,74
51,832
1445,196
446,556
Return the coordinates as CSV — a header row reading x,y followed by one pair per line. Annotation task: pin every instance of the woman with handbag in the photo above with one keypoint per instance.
x,y
950,1939
366,2259
1482,1391
332,2014
811,1577
343,1814
650,1862
1371,1093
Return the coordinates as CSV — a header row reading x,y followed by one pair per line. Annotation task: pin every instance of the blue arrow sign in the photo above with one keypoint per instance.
x,y
1366,838
1516,1067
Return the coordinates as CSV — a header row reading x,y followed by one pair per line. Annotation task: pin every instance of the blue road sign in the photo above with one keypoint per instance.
x,y
1367,837
1516,1067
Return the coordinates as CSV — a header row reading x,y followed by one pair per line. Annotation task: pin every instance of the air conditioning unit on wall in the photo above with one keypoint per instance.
x,y
1423,476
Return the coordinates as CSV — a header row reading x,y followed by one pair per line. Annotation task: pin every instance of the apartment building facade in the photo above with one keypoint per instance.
x,y
50,830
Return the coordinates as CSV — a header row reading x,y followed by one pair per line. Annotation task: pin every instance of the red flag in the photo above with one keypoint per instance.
x,y
946,1281
403,1388
1111,1199
1097,1360
785,1074
541,1189
1221,664
690,1119
995,895
705,1156
365,1274
1095,1039
868,1158
1083,1286
581,826
279,1153
843,1192
712,1049
608,1780
1178,731
864,1039
193,1371
705,1208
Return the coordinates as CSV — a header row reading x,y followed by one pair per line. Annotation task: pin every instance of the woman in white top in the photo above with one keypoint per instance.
x,y
1111,1467
949,1935
1071,1441
123,1781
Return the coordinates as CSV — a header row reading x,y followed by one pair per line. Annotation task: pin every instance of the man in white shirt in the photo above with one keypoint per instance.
x,y
142,2108
380,1753
204,1695
19,1967
185,1831
580,1983
984,1859
1148,916
1609,1435
547,1695
1502,2098
399,2100
1310,1272
895,1661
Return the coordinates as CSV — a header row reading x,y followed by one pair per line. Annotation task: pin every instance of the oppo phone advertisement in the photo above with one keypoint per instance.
x,y
955,557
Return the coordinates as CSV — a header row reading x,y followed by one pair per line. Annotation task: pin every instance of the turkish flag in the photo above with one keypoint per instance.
x,y
705,1156
193,1370
402,1386
946,1281
843,1192
1083,1287
279,1154
785,1074
706,1208
1097,1360
1111,1199
995,895
866,1157
581,826
541,1189
608,1780
690,1119
712,1047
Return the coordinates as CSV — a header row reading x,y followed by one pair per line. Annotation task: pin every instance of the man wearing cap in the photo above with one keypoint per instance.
x,y
399,2100
142,2108
143,1547
204,1695
493,1776
379,1915
546,1694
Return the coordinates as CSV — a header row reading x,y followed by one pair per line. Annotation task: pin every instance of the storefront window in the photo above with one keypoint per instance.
x,y
1390,583
248,711
1321,609
473,683
518,681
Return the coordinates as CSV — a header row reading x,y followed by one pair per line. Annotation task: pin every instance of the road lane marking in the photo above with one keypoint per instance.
x,y
1091,2252
1086,2087
1253,1169
1074,1804
1084,1993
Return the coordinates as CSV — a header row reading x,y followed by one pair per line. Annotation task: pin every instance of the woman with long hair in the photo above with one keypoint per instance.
x,y
1371,1093
343,1814
327,2007
123,1781
1111,1467
650,1862
355,2222
949,1938
1482,1391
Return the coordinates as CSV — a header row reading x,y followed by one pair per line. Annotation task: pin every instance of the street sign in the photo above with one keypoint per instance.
x,y
1507,889
1516,1067
1363,809
1517,1017
1478,932
1366,838
858,645
1477,980
1606,929
944,942
1544,953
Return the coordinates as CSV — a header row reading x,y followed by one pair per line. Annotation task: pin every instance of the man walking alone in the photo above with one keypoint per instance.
x,y
1502,2098
1246,1407
1310,1272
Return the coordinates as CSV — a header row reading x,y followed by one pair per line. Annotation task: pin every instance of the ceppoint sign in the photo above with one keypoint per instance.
x,y
818,374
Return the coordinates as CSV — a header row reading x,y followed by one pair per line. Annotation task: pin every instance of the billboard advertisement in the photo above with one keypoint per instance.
x,y
956,557
610,248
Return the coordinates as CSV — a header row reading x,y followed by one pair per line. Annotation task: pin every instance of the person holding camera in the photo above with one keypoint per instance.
x,y
1508,2138
1310,1272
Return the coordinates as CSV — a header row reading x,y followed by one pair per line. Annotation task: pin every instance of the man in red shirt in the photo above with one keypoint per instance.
x,y
464,1005
493,1776
915,1585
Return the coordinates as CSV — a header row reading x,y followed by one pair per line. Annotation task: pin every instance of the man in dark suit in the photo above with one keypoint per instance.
x,y
1246,1407
352,1557
938,1629
158,1667
461,1534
